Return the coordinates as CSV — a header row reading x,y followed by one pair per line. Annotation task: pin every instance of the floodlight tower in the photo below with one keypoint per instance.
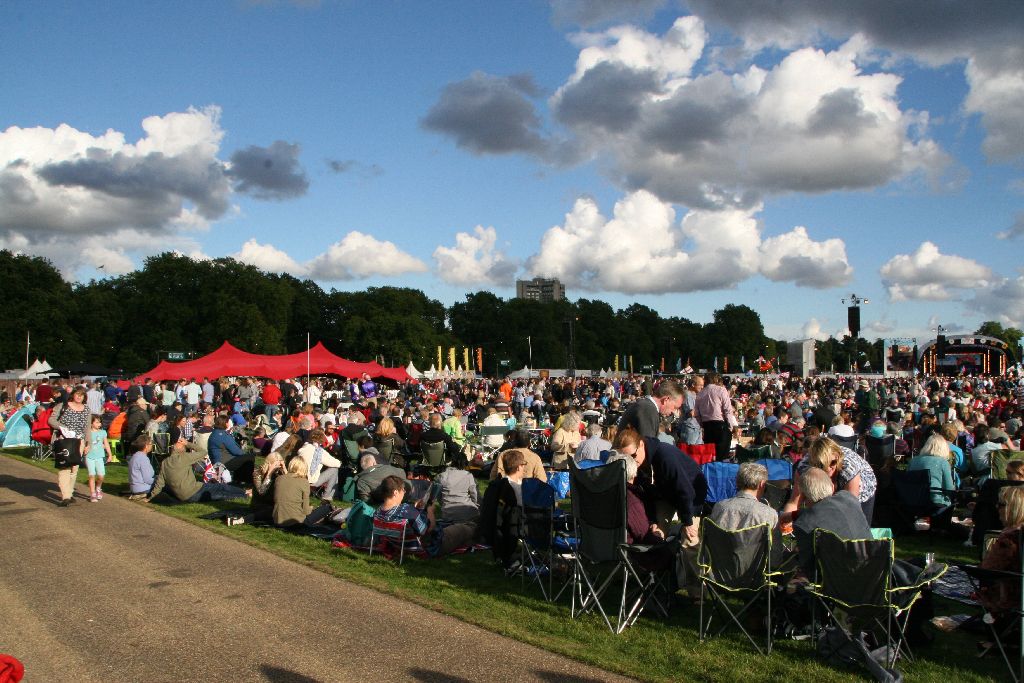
x,y
853,320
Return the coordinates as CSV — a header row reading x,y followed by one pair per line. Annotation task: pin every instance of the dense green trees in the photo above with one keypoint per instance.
x,y
174,303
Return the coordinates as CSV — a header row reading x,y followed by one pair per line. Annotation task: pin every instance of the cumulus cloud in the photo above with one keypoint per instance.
x,y
475,260
930,275
270,172
813,122
812,330
795,257
268,257
86,200
488,114
661,115
359,255
589,13
111,253
986,38
355,256
707,250
63,180
1014,231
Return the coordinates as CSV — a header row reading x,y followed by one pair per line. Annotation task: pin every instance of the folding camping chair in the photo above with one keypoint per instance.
x,y
435,455
1004,626
721,480
480,448
392,533
537,543
855,578
880,450
780,481
752,454
599,513
735,563
350,451
1000,459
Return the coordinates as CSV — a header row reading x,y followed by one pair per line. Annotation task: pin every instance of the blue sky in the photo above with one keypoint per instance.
x,y
684,156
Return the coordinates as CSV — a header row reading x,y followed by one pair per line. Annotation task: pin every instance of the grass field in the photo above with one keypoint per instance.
x,y
470,587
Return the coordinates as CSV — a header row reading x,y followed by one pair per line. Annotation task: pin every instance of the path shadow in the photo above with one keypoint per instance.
x,y
43,489
429,676
276,674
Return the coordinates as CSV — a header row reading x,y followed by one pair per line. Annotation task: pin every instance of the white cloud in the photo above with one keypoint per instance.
x,y
812,330
930,275
814,122
474,260
111,254
269,258
795,257
359,255
985,37
642,249
671,56
103,202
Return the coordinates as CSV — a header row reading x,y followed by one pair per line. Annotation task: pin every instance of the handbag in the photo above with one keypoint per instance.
x,y
67,453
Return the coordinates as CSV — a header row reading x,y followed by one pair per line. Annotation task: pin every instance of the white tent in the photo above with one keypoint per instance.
x,y
38,370
431,373
413,372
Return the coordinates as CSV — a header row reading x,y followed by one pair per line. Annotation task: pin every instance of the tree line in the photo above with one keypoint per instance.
x,y
175,304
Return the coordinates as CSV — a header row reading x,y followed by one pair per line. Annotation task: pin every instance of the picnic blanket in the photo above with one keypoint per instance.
x,y
955,585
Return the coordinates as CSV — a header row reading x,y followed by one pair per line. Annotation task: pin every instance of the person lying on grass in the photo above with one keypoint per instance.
x,y
177,475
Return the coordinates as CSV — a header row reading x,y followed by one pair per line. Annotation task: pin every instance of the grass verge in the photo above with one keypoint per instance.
x,y
471,588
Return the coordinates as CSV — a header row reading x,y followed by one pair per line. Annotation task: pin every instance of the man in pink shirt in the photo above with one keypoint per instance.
x,y
713,409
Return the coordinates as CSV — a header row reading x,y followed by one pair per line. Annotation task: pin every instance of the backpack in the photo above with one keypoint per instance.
x,y
359,523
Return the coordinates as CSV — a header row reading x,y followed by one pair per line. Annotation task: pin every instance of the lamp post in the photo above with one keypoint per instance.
x,y
529,347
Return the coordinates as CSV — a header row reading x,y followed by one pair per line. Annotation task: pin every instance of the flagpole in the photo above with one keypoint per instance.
x,y
307,364
28,345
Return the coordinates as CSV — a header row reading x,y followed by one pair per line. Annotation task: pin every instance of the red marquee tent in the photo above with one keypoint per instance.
x,y
229,360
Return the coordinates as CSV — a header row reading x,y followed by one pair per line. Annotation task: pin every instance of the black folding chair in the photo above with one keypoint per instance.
x,y
537,547
735,563
855,578
602,554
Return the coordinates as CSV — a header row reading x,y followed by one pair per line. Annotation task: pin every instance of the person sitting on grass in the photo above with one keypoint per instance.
x,y
371,474
534,465
177,475
140,468
323,468
291,499
456,492
262,504
435,540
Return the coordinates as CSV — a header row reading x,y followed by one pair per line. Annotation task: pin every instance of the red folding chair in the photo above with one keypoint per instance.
x,y
701,454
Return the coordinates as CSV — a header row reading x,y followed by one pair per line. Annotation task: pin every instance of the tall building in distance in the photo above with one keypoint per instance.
x,y
540,289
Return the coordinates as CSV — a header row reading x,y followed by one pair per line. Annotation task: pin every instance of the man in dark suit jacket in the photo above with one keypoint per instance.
x,y
644,414
840,513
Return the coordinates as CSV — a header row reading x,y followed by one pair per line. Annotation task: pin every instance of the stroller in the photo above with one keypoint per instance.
x,y
42,435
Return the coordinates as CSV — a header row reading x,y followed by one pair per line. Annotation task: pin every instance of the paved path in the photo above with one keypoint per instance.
x,y
146,597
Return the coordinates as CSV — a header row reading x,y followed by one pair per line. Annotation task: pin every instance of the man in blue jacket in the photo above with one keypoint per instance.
x,y
222,448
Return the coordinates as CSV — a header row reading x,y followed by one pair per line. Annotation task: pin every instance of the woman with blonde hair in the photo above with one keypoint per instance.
x,y
263,480
935,458
1003,596
565,440
848,471
291,498
388,443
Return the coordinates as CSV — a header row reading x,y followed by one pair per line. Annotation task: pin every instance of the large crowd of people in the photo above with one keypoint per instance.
x,y
409,453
